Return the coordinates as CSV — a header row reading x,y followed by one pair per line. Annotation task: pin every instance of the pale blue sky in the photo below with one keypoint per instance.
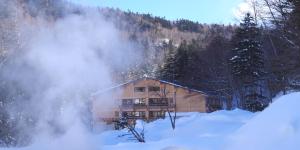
x,y
204,11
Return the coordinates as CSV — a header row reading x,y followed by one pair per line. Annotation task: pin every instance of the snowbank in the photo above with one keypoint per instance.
x,y
276,128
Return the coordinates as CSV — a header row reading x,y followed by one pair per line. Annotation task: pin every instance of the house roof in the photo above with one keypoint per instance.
x,y
145,78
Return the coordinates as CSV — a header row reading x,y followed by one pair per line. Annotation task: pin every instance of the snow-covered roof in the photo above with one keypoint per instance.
x,y
145,78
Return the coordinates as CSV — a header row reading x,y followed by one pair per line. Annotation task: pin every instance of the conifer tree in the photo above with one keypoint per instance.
x,y
247,64
181,62
168,71
295,18
175,67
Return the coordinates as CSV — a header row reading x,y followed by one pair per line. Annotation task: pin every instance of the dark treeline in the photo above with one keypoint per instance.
x,y
148,22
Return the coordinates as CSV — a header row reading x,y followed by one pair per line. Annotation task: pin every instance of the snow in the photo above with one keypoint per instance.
x,y
193,131
276,128
234,57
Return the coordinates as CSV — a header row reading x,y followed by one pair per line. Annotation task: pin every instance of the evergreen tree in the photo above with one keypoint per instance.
x,y
297,12
181,62
247,64
295,18
175,66
168,71
194,65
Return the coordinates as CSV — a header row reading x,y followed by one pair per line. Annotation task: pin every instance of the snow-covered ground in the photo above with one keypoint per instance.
x,y
276,128
197,131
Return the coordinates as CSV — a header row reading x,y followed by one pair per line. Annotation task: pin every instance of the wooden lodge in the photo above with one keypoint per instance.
x,y
149,99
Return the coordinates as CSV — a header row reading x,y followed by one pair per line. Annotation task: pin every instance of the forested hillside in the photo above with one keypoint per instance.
x,y
157,37
181,51
198,55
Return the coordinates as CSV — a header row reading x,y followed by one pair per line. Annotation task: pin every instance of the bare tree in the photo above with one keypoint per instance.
x,y
124,123
163,94
278,14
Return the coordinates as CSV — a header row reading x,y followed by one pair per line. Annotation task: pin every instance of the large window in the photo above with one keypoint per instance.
x,y
139,89
154,88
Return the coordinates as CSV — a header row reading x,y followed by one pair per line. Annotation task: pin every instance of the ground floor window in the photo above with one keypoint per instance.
x,y
134,114
157,114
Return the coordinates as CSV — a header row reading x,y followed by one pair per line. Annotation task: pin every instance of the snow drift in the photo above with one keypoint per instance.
x,y
276,128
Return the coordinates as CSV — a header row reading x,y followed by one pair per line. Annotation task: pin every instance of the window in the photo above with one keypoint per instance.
x,y
154,88
140,101
157,114
153,100
134,114
158,101
140,114
127,102
139,89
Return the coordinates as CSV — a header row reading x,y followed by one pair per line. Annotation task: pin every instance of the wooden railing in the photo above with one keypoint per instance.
x,y
134,106
163,106
150,106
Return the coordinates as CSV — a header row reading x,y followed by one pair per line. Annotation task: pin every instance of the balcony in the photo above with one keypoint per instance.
x,y
161,106
126,106
150,106
139,106
136,117
134,106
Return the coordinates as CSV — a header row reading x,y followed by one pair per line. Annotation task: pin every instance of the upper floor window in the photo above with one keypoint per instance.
x,y
158,101
154,88
139,89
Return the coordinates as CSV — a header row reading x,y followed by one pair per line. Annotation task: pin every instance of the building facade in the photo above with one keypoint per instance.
x,y
149,99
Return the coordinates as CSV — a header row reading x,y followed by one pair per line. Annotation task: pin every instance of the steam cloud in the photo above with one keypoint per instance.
x,y
61,63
